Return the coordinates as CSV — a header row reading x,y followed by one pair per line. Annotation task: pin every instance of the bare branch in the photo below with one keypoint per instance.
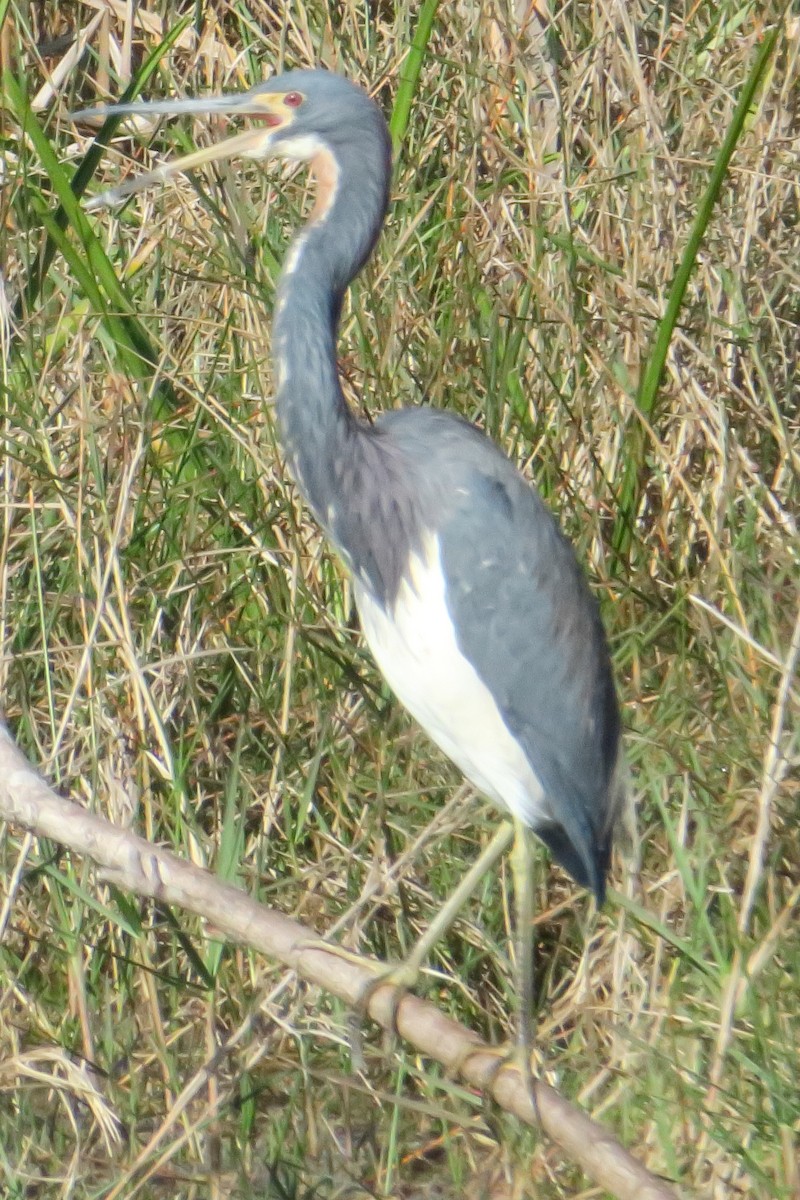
x,y
138,866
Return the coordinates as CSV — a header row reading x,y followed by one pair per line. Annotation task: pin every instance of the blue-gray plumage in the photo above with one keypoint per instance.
x,y
469,596
524,618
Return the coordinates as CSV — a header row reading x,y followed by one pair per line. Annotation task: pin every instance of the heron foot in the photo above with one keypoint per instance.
x,y
513,1056
401,978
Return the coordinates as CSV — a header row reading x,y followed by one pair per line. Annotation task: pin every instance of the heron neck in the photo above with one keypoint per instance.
x,y
318,430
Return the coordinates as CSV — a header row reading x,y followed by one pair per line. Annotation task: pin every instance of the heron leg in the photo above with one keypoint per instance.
x,y
404,975
523,859
449,911
519,1055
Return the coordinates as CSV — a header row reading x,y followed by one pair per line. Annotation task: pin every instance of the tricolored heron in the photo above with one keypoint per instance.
x,y
470,598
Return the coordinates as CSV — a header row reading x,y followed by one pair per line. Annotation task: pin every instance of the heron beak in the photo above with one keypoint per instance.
x,y
251,143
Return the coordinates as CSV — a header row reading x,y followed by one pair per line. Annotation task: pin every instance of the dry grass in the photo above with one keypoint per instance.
x,y
178,646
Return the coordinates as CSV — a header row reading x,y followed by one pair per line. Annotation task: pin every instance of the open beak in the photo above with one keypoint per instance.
x,y
252,143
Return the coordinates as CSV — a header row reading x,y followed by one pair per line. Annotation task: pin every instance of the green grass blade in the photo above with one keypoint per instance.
x,y
96,276
124,917
648,920
410,72
64,215
89,262
628,496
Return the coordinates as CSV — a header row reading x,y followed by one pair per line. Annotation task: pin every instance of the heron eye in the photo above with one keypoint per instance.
x,y
293,99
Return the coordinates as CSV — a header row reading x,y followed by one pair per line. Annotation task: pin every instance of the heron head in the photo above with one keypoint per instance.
x,y
298,114
301,108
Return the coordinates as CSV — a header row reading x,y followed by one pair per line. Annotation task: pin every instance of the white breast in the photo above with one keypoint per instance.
x,y
415,647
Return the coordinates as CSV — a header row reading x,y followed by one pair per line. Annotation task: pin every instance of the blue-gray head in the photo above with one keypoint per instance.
x,y
302,115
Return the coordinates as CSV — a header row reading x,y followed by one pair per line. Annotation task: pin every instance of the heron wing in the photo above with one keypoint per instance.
x,y
526,621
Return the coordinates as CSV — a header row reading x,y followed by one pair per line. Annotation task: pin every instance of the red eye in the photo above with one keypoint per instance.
x,y
293,99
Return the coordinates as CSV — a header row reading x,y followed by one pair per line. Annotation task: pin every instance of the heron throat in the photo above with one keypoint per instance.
x,y
318,431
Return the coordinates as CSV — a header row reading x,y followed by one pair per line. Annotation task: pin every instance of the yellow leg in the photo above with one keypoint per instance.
x,y
519,1056
455,902
523,858
403,976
